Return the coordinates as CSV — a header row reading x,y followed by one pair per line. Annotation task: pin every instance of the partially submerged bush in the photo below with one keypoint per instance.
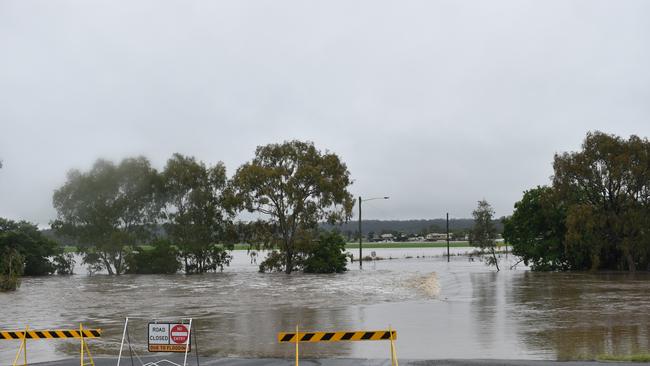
x,y
162,258
327,254
11,268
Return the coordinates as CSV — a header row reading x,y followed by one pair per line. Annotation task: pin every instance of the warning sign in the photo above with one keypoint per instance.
x,y
168,337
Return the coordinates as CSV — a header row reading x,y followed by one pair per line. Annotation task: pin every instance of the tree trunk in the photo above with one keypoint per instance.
x,y
288,264
494,256
107,264
630,262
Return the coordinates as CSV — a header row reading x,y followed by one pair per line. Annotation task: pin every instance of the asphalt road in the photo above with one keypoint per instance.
x,y
333,362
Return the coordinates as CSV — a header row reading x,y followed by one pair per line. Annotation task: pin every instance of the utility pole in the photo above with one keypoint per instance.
x,y
447,237
360,237
360,233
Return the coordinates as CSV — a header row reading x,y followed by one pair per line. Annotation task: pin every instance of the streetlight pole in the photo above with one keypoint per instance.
x,y
447,237
360,233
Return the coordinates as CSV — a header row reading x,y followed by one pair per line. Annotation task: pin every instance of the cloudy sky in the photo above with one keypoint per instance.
x,y
435,103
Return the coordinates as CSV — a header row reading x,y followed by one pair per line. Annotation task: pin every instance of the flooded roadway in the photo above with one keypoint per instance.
x,y
440,310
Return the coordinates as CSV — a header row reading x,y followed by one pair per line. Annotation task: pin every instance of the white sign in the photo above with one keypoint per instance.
x,y
158,333
168,337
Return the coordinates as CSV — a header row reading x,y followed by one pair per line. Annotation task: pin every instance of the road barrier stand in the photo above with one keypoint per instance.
x,y
342,336
171,337
23,335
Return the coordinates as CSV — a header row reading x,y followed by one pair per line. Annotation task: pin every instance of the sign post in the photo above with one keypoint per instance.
x,y
169,337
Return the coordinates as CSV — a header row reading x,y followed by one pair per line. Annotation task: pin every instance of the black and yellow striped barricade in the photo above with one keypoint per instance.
x,y
298,337
23,335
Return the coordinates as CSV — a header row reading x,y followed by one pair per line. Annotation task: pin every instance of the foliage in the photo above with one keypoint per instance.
x,y
596,214
294,186
162,258
484,233
11,268
607,185
197,217
110,208
274,262
64,263
327,255
537,228
34,248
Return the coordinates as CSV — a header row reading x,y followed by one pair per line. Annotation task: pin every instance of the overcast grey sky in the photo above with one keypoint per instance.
x,y
435,103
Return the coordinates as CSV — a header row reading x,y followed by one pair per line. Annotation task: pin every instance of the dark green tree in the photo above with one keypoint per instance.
x,y
23,251
198,219
64,263
607,186
34,248
536,230
327,254
484,232
108,210
11,268
161,259
294,186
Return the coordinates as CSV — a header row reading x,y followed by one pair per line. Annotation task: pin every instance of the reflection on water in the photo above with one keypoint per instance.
x,y
441,310
581,314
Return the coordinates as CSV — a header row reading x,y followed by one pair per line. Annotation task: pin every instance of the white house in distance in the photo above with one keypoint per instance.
x,y
387,237
436,237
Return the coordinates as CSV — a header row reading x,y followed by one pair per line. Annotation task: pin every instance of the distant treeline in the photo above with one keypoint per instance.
x,y
368,226
407,226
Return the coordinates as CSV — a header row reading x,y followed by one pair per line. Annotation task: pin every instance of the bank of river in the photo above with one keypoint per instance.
x,y
441,310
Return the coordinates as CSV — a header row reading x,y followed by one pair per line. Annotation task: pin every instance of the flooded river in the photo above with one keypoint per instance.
x,y
461,309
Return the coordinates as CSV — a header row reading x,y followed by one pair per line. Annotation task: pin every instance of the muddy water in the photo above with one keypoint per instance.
x,y
460,309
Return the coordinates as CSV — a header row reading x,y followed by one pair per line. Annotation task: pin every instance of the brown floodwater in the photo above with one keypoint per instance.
x,y
461,309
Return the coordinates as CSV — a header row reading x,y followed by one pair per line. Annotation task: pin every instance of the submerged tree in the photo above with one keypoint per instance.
x,y
24,250
607,186
196,213
484,232
108,210
294,186
596,214
537,228
327,254
11,268
34,248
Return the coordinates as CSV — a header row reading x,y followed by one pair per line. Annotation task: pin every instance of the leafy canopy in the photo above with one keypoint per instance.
x,y
484,232
108,208
596,214
294,186
197,217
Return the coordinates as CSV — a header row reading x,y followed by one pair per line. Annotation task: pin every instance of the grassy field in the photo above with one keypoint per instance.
x,y
351,245
640,357
453,244
401,245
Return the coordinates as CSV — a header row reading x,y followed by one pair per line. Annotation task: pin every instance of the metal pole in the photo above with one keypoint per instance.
x,y
297,343
187,342
25,340
119,357
81,352
447,237
360,237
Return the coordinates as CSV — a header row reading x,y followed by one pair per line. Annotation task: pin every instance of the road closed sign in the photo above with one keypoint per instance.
x,y
168,337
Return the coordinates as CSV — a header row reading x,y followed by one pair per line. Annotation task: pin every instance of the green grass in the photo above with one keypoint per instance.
x,y
401,245
389,245
455,244
637,357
